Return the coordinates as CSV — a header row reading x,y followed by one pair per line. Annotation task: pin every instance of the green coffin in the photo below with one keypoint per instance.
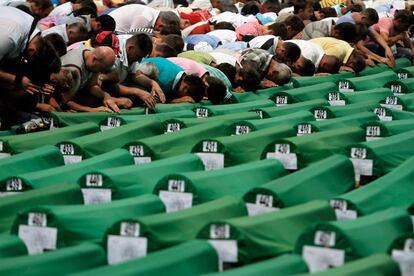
x,y
190,258
101,142
401,87
11,246
331,244
208,111
405,72
300,151
172,144
246,97
269,112
307,81
184,190
57,195
61,262
69,118
247,126
30,141
231,150
268,235
52,227
350,120
377,130
379,68
378,157
31,161
321,180
164,230
367,82
301,94
375,265
68,174
118,120
129,181
181,123
329,112
395,189
374,95
288,264
390,114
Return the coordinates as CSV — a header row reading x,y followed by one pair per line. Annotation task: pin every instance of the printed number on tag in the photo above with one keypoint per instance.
x,y
37,219
282,148
129,229
137,150
219,231
209,146
264,200
325,238
14,185
67,149
94,180
176,185
359,153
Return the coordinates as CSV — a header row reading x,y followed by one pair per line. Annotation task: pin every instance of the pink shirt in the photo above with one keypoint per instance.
x,y
189,66
385,25
250,28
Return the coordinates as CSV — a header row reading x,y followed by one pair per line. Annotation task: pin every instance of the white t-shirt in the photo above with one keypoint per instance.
x,y
233,18
59,29
14,32
65,8
134,16
221,57
225,36
309,50
258,41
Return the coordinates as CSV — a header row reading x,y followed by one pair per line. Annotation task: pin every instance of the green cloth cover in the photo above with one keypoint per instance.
x,y
367,82
208,111
270,234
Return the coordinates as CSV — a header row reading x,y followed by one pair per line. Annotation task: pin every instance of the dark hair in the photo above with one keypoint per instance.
x,y
346,31
57,42
87,3
354,8
228,70
295,23
216,90
166,50
307,69
142,42
359,61
250,79
272,6
301,5
170,30
405,17
229,8
184,3
44,62
80,30
196,87
107,22
328,12
169,18
372,16
279,29
43,4
250,8
361,32
174,41
292,51
224,26
332,68
85,11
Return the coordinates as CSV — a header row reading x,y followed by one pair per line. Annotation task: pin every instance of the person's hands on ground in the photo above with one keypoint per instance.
x,y
267,84
28,86
110,104
123,102
101,109
146,98
156,90
185,99
45,107
346,68
390,56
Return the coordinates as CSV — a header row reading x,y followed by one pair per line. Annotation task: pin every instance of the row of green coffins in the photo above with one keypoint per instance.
x,y
248,239
59,185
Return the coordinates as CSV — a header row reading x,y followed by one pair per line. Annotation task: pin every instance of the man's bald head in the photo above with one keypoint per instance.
x,y
105,57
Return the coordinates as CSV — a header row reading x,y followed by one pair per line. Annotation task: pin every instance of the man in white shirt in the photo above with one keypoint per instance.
x,y
323,63
70,33
135,16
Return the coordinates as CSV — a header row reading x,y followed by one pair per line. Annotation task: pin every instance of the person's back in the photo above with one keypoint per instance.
x,y
134,16
14,32
317,29
332,46
75,58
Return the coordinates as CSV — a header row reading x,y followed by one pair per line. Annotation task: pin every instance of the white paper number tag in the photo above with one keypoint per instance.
x,y
14,185
212,161
281,100
122,249
325,238
38,239
173,127
96,195
112,122
240,130
288,160
320,114
382,114
129,229
373,133
219,231
3,154
227,250
320,259
202,112
254,209
341,211
344,86
304,129
405,260
334,99
137,151
176,201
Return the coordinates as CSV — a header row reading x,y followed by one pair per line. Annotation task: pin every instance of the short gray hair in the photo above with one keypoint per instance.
x,y
169,18
285,73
